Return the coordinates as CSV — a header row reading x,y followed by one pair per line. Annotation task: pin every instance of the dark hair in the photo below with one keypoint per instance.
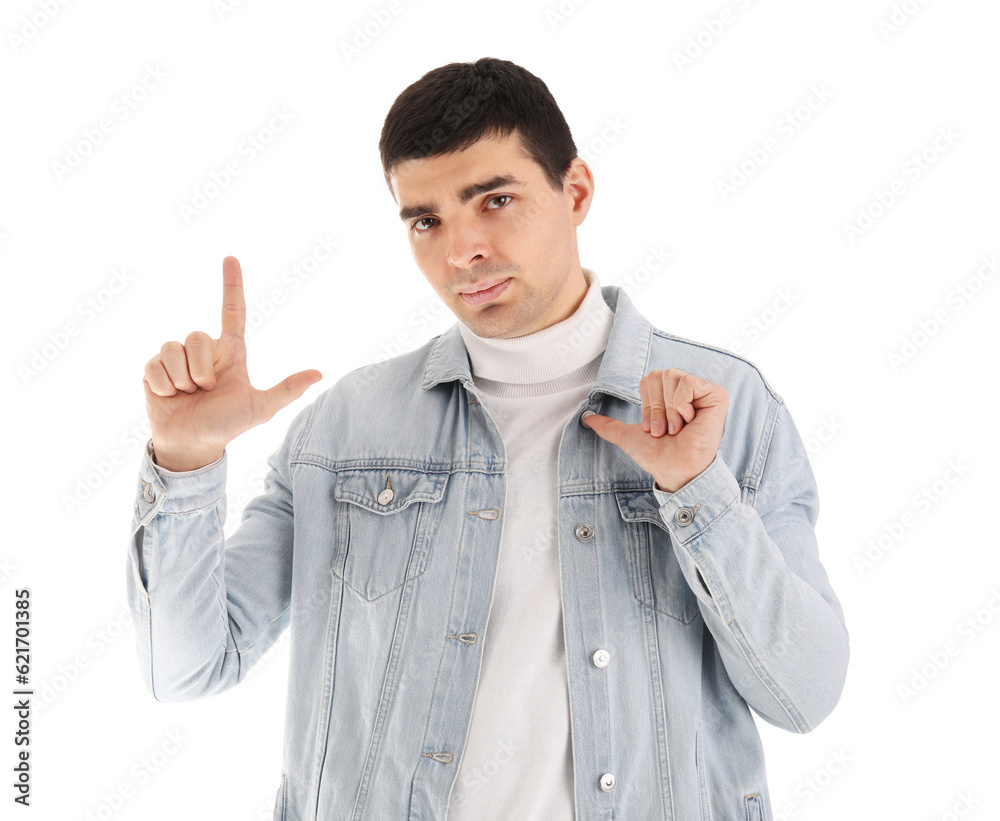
x,y
452,107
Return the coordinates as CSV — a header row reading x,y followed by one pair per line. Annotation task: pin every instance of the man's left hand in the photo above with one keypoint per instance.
x,y
682,420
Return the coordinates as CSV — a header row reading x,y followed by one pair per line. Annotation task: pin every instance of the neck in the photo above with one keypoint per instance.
x,y
552,354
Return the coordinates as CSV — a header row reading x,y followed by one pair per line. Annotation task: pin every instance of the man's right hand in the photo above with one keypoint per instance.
x,y
198,395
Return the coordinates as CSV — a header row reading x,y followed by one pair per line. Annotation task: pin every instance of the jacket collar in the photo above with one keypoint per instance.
x,y
625,362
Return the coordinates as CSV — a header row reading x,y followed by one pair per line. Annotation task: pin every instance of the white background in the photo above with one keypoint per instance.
x,y
886,424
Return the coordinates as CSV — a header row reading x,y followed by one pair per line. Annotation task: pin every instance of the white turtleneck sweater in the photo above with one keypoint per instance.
x,y
518,761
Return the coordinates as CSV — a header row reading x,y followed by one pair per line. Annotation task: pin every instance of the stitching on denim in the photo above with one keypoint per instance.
x,y
705,810
709,523
441,660
764,447
396,463
147,633
649,619
664,335
754,659
643,545
223,600
749,653
389,687
332,640
159,510
262,633
307,424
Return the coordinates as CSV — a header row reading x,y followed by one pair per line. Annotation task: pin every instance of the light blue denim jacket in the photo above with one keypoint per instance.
x,y
376,540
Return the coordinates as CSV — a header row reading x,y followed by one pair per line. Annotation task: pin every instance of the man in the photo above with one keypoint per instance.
x,y
539,568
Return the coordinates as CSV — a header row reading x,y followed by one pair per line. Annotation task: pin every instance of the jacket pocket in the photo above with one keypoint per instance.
x,y
754,807
388,519
280,800
655,574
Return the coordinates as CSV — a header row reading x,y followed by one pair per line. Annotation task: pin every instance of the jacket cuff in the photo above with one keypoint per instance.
x,y
691,509
169,491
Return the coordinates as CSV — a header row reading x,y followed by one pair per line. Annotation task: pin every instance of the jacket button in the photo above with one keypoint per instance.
x,y
602,658
608,782
684,516
584,533
148,493
386,495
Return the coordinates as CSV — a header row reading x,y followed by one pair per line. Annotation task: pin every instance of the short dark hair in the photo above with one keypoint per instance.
x,y
454,106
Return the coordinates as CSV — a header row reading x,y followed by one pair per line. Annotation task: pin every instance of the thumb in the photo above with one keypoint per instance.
x,y
286,392
607,427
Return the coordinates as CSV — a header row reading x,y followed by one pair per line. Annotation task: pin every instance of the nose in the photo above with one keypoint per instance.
x,y
467,244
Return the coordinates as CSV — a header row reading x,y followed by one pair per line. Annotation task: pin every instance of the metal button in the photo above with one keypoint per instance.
x,y
584,533
147,492
608,782
584,415
684,516
386,495
602,658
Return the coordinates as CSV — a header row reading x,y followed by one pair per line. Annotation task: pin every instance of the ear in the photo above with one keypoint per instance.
x,y
579,184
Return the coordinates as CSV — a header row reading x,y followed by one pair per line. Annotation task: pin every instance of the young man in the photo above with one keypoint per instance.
x,y
541,567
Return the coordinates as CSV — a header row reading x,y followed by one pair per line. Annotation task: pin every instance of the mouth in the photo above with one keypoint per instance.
x,y
483,286
485,292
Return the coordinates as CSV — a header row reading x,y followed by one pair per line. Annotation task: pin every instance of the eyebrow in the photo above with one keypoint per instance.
x,y
466,194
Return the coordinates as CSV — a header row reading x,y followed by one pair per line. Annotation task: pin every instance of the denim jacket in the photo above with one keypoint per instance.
x,y
376,541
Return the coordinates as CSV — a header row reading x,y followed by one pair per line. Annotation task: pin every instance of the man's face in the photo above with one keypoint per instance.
x,y
487,214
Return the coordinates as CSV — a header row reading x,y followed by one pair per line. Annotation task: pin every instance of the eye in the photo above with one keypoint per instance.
x,y
500,197
416,223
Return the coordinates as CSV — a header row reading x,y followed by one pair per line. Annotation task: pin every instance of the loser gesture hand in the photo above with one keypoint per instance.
x,y
198,395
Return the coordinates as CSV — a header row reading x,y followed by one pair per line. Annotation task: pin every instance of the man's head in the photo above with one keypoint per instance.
x,y
483,167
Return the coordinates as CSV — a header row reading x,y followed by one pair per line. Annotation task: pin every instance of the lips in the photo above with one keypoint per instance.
x,y
484,286
488,294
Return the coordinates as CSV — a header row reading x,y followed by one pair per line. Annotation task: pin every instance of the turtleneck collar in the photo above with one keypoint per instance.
x,y
548,355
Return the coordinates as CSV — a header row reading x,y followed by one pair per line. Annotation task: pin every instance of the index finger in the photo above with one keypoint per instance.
x,y
234,307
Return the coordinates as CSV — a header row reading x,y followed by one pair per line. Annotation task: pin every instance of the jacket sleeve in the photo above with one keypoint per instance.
x,y
751,558
204,609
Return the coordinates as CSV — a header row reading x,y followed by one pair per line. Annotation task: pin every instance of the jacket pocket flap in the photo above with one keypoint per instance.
x,y
388,490
639,506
